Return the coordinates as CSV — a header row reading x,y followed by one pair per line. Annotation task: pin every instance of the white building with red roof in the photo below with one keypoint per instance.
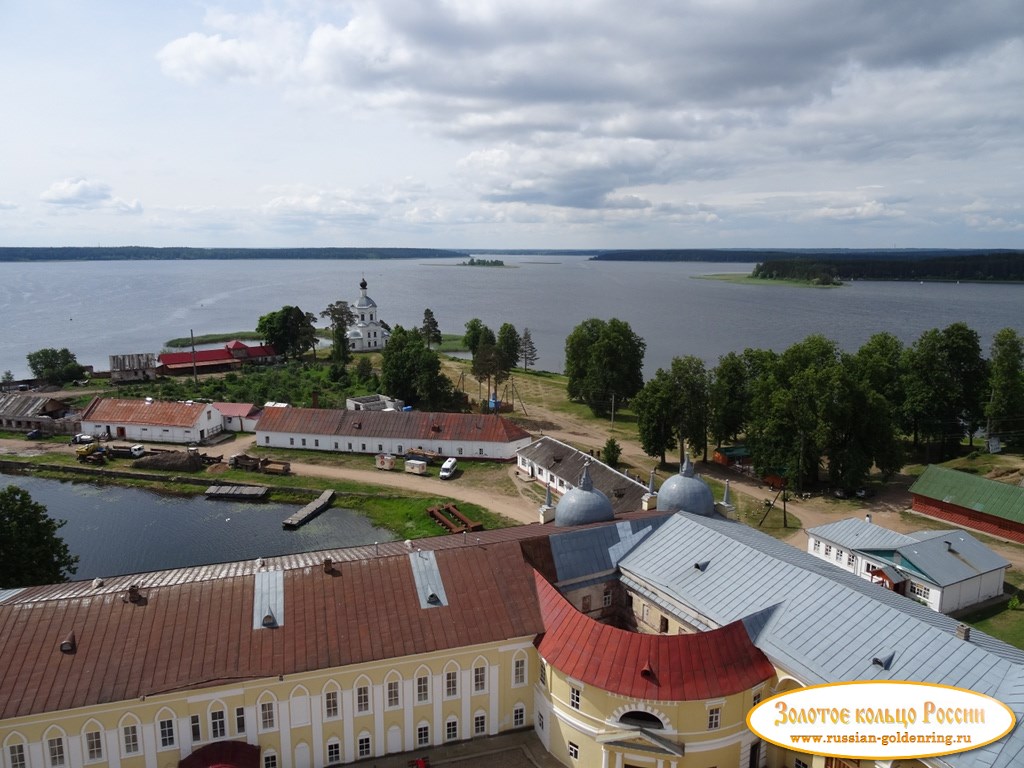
x,y
149,420
238,417
468,435
231,356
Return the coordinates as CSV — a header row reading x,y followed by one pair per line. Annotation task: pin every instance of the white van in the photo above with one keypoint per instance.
x,y
447,469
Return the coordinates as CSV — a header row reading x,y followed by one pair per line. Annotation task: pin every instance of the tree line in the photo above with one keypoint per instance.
x,y
984,266
812,407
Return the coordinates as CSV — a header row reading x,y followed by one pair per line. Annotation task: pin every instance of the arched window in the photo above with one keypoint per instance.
x,y
131,735
451,728
269,759
92,742
166,732
364,745
266,705
217,717
16,751
55,747
361,690
479,723
333,751
298,702
480,675
392,690
332,700
451,680
640,719
423,734
423,686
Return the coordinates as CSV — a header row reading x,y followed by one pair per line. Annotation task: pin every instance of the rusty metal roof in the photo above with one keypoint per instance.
x,y
159,413
689,667
408,425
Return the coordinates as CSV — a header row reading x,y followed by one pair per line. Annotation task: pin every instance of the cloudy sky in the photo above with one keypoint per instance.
x,y
527,123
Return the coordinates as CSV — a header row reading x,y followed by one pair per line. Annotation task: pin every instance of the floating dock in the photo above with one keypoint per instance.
x,y
237,492
310,511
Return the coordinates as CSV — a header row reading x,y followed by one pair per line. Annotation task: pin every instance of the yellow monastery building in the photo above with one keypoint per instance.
x,y
623,642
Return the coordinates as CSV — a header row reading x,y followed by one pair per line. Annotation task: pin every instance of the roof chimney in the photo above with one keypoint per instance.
x,y
328,565
867,518
133,595
963,632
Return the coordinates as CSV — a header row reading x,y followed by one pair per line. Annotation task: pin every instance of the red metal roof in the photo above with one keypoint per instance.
x,y
237,409
408,425
193,632
705,665
221,355
157,413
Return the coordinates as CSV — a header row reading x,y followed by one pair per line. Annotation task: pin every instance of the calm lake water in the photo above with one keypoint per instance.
x,y
126,530
96,309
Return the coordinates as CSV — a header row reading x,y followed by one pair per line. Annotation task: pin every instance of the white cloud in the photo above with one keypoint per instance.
x,y
87,194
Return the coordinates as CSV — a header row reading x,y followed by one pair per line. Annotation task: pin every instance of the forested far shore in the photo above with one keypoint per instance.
x,y
798,255
989,266
143,253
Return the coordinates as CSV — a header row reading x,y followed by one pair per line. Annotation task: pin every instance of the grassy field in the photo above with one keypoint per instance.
x,y
746,279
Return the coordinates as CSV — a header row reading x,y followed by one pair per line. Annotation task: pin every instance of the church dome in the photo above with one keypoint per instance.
x,y
686,492
364,301
583,504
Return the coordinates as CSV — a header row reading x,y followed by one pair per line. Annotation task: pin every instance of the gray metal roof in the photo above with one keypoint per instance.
x,y
821,623
583,553
857,533
28,406
567,462
427,576
926,553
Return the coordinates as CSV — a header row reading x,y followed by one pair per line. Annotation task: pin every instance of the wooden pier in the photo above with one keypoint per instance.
x,y
310,511
237,492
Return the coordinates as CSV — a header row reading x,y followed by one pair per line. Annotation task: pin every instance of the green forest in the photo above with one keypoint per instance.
x,y
143,253
1001,266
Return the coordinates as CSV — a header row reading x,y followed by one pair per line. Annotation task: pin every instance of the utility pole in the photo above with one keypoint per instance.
x,y
613,410
195,374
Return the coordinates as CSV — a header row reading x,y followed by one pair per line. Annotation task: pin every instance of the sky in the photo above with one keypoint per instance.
x,y
521,124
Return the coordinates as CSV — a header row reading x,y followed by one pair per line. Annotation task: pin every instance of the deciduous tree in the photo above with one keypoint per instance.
x,y
604,361
54,366
31,551
341,317
411,372
1005,407
289,330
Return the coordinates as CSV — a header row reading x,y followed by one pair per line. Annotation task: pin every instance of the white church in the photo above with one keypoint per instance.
x,y
367,334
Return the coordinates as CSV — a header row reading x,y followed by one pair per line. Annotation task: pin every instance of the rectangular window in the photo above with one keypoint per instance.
x,y
303,442
480,725
714,718
451,730
798,763
331,704
422,689
94,745
518,717
828,550
839,555
166,733
197,734
316,443
268,717
663,624
364,746
423,736
479,679
16,752
919,590
519,672
451,684
574,750
851,559
757,698
394,700
363,698
585,606
540,721
131,739
817,545
239,720
574,698
334,752
543,675
218,724
291,441
56,749
606,598
270,761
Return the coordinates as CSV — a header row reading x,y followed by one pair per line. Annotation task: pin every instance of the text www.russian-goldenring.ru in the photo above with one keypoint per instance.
x,y
885,739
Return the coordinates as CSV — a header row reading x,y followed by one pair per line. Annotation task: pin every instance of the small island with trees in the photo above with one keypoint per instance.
x,y
475,262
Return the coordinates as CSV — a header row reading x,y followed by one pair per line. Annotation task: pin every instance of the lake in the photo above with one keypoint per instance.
x,y
96,309
116,530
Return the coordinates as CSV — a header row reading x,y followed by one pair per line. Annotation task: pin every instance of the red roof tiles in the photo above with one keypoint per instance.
x,y
706,665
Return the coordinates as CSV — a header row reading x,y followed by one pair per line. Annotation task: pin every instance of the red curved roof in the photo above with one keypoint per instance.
x,y
705,665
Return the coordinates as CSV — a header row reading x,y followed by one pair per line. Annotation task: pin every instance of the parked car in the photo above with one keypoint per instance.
x,y
447,469
35,434
82,438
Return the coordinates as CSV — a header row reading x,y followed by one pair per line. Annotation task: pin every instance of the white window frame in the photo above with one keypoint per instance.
x,y
363,706
332,705
518,716
168,738
93,751
56,754
451,729
131,741
519,671
480,679
17,757
575,695
268,715
714,718
451,684
393,694
423,689
574,750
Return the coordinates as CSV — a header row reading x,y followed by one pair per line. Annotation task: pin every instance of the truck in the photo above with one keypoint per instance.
x,y
127,451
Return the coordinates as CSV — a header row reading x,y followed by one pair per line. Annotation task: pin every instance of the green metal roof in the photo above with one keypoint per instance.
x,y
971,492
